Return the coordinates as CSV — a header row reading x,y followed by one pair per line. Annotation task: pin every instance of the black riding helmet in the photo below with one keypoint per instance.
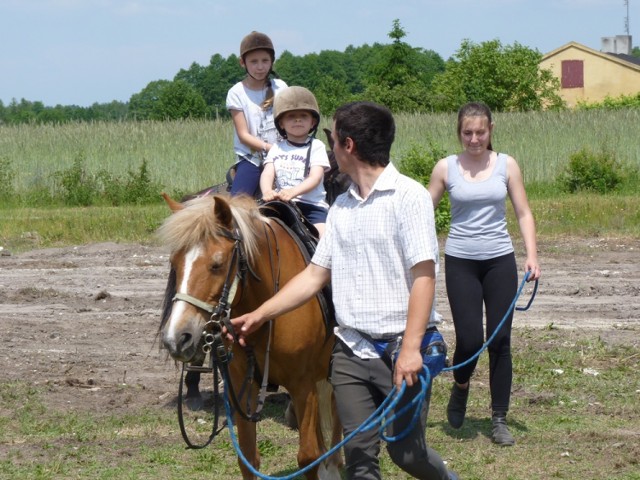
x,y
295,98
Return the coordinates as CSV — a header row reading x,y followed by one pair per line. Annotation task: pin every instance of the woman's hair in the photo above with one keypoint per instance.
x,y
370,126
474,109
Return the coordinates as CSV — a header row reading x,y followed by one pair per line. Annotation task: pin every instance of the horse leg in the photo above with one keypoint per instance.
x,y
193,399
290,419
331,429
316,415
248,445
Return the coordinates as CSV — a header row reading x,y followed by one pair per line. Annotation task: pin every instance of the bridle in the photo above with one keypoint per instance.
x,y
213,335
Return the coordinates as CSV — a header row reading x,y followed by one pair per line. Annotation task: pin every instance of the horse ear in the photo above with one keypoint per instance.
x,y
173,205
327,132
223,212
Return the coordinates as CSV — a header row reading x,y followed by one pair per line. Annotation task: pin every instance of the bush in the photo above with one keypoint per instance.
x,y
418,164
79,187
138,189
82,188
7,176
589,171
622,101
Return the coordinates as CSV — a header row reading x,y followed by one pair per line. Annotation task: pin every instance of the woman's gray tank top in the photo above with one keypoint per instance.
x,y
478,213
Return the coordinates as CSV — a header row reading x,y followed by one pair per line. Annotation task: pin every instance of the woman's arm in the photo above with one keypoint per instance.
x,y
437,182
518,196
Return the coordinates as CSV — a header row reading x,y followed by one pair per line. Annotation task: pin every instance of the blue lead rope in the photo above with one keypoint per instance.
x,y
378,419
500,325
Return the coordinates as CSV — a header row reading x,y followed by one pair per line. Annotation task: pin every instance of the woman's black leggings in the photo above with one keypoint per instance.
x,y
470,285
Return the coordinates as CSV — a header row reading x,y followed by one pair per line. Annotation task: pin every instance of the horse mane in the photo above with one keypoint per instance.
x,y
197,221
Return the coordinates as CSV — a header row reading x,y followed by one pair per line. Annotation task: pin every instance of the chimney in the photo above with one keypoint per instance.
x,y
617,44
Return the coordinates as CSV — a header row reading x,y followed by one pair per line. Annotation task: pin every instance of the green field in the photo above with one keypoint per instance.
x,y
190,155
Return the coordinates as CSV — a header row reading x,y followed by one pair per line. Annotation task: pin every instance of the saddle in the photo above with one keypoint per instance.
x,y
289,214
306,236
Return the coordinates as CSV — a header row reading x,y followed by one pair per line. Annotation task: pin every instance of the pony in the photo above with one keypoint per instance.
x,y
217,238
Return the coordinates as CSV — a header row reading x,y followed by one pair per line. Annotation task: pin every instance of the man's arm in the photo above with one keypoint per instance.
x,y
296,292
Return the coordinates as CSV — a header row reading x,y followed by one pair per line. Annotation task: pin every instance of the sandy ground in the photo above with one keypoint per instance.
x,y
83,320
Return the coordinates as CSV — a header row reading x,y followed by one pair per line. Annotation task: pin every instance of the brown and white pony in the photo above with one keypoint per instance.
x,y
217,238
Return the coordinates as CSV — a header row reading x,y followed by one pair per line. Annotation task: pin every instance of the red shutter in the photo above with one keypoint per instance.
x,y
572,74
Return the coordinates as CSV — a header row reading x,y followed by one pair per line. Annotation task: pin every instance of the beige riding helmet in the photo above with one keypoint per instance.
x,y
295,98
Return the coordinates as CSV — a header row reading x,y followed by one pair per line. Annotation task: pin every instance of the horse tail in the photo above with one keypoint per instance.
x,y
330,430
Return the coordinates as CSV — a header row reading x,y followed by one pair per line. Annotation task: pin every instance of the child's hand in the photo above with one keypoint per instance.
x,y
286,195
270,195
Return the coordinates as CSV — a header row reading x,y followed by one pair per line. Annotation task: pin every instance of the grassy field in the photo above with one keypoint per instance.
x,y
22,229
187,156
568,425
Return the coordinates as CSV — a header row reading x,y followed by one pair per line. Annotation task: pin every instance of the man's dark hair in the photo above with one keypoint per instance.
x,y
370,126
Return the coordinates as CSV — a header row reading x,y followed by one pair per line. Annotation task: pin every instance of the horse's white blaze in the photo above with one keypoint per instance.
x,y
179,306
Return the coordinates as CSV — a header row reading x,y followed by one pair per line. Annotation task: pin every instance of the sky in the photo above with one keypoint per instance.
x,y
79,52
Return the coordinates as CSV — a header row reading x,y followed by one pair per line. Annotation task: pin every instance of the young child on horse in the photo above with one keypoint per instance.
x,y
250,103
294,168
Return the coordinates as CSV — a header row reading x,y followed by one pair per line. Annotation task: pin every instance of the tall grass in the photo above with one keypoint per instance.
x,y
541,142
185,155
190,155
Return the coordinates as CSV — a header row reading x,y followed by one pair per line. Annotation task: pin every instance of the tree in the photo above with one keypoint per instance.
x,y
179,100
636,52
166,100
402,76
214,80
506,78
141,104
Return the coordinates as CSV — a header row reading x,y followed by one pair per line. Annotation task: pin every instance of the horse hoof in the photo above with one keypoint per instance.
x,y
290,416
195,403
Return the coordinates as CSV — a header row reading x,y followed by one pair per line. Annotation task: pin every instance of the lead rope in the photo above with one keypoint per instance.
x,y
378,417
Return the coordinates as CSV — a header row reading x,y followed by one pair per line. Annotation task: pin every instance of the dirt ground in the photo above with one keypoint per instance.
x,y
83,320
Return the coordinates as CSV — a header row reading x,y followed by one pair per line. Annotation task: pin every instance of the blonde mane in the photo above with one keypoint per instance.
x,y
197,222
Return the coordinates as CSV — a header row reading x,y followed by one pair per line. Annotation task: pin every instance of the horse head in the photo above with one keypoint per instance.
x,y
205,236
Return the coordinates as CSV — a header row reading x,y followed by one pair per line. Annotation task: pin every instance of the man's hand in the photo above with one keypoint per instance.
x,y
407,367
244,326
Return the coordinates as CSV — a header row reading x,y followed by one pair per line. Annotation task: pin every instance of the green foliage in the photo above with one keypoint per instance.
x,y
506,78
589,171
622,101
418,163
78,186
213,81
178,100
27,111
7,176
82,188
140,189
401,78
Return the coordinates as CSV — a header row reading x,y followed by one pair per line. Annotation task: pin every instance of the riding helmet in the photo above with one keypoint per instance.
x,y
256,41
295,98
